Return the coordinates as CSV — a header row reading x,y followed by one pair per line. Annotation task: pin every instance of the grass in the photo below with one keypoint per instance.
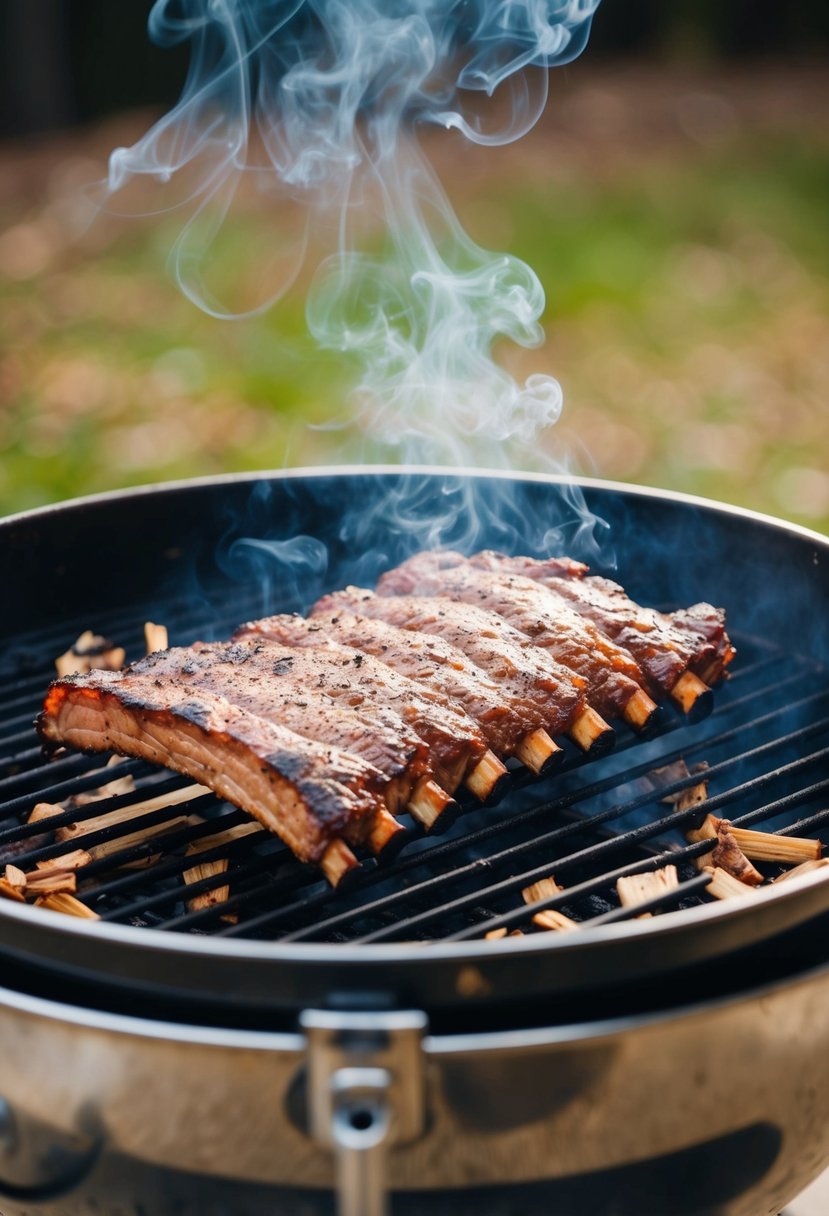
x,y
688,310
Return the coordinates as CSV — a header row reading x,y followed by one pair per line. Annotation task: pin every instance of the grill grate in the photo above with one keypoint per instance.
x,y
766,746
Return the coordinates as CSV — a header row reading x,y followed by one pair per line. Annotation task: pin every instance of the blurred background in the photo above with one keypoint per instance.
x,y
673,202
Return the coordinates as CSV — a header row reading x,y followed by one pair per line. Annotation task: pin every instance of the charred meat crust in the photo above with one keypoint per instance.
x,y
612,675
454,740
531,675
665,644
293,689
305,792
504,719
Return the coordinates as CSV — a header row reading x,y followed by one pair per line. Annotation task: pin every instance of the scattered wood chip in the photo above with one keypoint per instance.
x,y
545,888
726,852
228,836
495,935
805,867
692,795
48,882
45,810
636,889
59,902
724,885
550,918
730,857
124,814
88,652
155,637
66,861
15,877
8,891
706,831
112,789
206,869
769,846
219,838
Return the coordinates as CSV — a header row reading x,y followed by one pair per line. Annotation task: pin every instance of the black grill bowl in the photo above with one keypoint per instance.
x,y
413,933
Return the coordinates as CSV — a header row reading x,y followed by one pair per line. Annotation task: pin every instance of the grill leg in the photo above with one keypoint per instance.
x,y
365,1092
360,1130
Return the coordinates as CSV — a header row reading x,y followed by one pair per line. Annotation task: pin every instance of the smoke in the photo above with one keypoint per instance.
x,y
319,102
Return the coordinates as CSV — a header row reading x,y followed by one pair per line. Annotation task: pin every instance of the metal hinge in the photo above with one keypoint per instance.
x,y
365,1094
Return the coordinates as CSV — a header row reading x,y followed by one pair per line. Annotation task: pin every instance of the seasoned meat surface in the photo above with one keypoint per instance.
x,y
307,793
358,681
548,693
612,675
664,644
273,682
426,659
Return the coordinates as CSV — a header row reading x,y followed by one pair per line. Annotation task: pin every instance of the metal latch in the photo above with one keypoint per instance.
x,y
365,1094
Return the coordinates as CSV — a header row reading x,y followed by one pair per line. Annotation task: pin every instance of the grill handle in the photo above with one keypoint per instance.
x,y
365,1095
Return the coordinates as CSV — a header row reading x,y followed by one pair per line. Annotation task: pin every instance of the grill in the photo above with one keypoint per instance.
x,y
572,1072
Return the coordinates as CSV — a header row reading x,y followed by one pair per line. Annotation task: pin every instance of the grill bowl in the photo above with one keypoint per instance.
x,y
118,559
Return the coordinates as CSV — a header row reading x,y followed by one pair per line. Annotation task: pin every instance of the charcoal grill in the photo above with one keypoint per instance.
x,y
409,934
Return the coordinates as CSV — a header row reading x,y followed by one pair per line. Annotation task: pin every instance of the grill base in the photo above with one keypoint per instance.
x,y
671,1111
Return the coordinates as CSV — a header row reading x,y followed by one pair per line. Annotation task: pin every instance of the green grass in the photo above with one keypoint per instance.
x,y
687,322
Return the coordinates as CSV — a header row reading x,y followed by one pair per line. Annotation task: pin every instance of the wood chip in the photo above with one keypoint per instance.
x,y
545,888
45,810
206,869
109,819
636,889
806,867
724,885
66,861
769,846
228,836
550,918
8,891
67,904
155,637
730,857
112,789
15,877
726,854
47,882
88,652
692,795
495,935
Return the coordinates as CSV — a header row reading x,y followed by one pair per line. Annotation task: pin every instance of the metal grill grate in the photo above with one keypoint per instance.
x,y
766,746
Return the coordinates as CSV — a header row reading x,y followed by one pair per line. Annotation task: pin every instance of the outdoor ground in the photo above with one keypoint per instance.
x,y
677,220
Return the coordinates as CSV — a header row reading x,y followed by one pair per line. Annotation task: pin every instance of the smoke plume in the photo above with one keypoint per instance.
x,y
320,100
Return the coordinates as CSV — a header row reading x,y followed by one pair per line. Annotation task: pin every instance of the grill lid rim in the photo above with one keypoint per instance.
x,y
376,471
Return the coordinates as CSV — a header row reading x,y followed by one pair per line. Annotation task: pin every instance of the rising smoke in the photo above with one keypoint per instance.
x,y
321,100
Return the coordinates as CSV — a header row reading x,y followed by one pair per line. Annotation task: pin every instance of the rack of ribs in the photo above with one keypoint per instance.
x,y
612,677
326,728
